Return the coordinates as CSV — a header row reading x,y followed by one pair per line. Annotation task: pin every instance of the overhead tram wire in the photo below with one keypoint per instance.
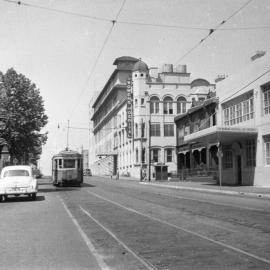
x,y
21,3
211,31
233,94
181,27
98,56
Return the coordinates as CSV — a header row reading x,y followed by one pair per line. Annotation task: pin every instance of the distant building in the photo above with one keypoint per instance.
x,y
134,117
230,135
85,155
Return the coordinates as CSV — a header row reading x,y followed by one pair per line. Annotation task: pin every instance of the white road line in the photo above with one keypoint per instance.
x,y
100,261
185,230
146,264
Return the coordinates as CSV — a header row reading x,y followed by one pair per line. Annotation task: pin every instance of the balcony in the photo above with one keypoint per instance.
x,y
221,133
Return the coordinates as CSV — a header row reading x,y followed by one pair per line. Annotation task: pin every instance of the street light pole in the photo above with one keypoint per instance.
x,y
149,144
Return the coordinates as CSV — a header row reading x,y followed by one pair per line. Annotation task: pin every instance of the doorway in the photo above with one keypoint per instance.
x,y
239,170
161,173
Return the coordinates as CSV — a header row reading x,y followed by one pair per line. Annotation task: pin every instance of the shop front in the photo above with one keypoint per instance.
x,y
234,149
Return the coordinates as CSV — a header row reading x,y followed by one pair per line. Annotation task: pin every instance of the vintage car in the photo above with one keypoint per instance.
x,y
18,180
87,172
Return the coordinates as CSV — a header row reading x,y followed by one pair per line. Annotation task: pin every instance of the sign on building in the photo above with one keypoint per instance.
x,y
129,109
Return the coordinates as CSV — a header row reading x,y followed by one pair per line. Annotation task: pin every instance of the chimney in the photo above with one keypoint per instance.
x,y
220,78
153,72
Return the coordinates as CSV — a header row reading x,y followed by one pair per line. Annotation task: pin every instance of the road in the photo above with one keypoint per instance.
x,y
109,224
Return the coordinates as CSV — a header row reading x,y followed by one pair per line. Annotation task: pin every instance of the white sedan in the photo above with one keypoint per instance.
x,y
18,180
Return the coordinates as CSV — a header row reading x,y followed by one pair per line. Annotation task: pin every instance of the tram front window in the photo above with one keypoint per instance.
x,y
69,163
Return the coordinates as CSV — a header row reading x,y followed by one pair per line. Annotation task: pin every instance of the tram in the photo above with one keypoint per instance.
x,y
67,168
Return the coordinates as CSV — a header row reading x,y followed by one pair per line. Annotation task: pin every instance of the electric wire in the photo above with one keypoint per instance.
x,y
183,27
21,3
97,58
211,31
233,94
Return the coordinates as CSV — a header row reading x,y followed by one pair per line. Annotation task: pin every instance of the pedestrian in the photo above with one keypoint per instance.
x,y
143,175
117,175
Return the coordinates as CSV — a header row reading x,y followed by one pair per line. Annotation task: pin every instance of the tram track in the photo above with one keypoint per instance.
x,y
180,228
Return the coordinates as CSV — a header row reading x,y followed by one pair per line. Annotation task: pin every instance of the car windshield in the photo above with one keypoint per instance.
x,y
11,173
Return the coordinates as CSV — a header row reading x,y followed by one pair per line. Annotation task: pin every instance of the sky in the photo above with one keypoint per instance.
x,y
67,48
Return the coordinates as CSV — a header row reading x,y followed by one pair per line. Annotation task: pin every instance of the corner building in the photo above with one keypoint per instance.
x,y
229,137
134,115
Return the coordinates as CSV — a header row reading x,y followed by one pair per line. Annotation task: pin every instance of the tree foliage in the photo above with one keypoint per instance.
x,y
23,107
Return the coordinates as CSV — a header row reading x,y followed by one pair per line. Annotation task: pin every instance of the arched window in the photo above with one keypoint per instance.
x,y
154,105
181,105
137,155
136,130
168,105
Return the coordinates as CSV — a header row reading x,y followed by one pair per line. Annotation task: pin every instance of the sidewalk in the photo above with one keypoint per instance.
x,y
206,186
260,192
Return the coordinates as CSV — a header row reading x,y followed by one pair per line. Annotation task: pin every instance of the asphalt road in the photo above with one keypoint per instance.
x,y
109,224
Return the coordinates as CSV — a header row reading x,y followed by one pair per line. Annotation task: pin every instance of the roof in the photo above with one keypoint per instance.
x,y
116,61
68,153
199,82
140,66
125,59
207,102
243,81
18,167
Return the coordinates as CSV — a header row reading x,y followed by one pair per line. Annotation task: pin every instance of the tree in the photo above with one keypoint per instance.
x,y
25,116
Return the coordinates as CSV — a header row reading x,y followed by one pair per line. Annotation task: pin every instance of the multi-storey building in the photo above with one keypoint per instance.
x,y
136,134
230,135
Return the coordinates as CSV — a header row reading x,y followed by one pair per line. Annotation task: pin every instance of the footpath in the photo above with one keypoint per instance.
x,y
205,186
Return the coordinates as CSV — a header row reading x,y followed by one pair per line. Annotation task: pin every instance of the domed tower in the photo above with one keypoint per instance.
x,y
140,73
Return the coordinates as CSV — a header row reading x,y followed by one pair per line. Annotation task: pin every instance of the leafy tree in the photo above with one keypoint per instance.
x,y
25,116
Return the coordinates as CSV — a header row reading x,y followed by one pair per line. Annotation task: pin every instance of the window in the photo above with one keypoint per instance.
x,y
168,129
251,153
168,105
155,155
154,105
60,163
69,163
11,173
266,100
240,112
169,155
143,130
228,160
181,105
136,130
143,155
155,129
226,114
267,149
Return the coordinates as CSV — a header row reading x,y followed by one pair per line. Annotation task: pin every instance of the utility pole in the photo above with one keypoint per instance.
x,y
67,135
141,146
149,144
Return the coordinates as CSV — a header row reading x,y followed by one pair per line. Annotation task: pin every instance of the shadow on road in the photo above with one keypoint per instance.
x,y
86,185
56,189
51,188
24,199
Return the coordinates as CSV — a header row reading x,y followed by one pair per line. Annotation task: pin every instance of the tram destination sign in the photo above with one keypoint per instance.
x,y
129,109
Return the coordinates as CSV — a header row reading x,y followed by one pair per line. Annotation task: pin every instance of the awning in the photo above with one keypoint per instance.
x,y
222,134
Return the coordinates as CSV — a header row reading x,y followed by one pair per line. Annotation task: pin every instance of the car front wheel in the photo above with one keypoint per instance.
x,y
33,196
